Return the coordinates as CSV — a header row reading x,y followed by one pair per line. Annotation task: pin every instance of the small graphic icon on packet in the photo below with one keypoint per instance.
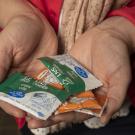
x,y
81,72
16,93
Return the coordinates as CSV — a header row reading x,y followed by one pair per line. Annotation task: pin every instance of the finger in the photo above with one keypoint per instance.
x,y
35,68
116,94
109,110
5,57
114,103
70,117
11,110
35,123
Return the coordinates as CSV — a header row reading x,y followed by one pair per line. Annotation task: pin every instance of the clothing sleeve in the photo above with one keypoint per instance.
x,y
127,11
51,9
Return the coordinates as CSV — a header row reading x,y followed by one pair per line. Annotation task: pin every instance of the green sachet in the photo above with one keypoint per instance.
x,y
72,75
34,97
41,99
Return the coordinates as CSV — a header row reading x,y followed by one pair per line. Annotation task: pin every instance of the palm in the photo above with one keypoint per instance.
x,y
107,58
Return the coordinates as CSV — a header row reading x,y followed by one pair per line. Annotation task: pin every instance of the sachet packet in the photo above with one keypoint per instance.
x,y
42,98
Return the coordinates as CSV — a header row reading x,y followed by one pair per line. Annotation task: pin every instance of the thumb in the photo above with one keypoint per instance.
x,y
110,109
5,57
115,97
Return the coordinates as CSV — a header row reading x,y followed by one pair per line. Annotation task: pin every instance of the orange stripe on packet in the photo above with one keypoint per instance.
x,y
86,94
88,104
46,76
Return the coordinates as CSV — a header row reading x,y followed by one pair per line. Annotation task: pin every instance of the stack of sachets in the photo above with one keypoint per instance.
x,y
62,86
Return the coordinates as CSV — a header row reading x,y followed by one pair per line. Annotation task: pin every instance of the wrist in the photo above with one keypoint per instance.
x,y
120,28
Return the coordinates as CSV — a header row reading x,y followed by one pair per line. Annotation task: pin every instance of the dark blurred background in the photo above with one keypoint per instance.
x,y
8,125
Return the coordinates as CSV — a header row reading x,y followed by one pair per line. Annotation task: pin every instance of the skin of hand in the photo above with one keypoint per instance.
x,y
105,51
25,36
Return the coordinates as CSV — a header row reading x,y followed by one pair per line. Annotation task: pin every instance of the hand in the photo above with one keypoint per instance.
x,y
24,38
104,50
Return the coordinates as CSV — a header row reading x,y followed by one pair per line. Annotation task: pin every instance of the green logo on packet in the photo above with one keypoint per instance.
x,y
67,77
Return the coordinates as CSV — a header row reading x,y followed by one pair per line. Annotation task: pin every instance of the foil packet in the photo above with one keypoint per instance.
x,y
59,84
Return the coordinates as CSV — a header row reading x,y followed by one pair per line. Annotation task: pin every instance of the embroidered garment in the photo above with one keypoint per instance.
x,y
79,15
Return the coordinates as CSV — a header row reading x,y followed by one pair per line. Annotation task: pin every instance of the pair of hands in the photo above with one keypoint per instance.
x,y
103,50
